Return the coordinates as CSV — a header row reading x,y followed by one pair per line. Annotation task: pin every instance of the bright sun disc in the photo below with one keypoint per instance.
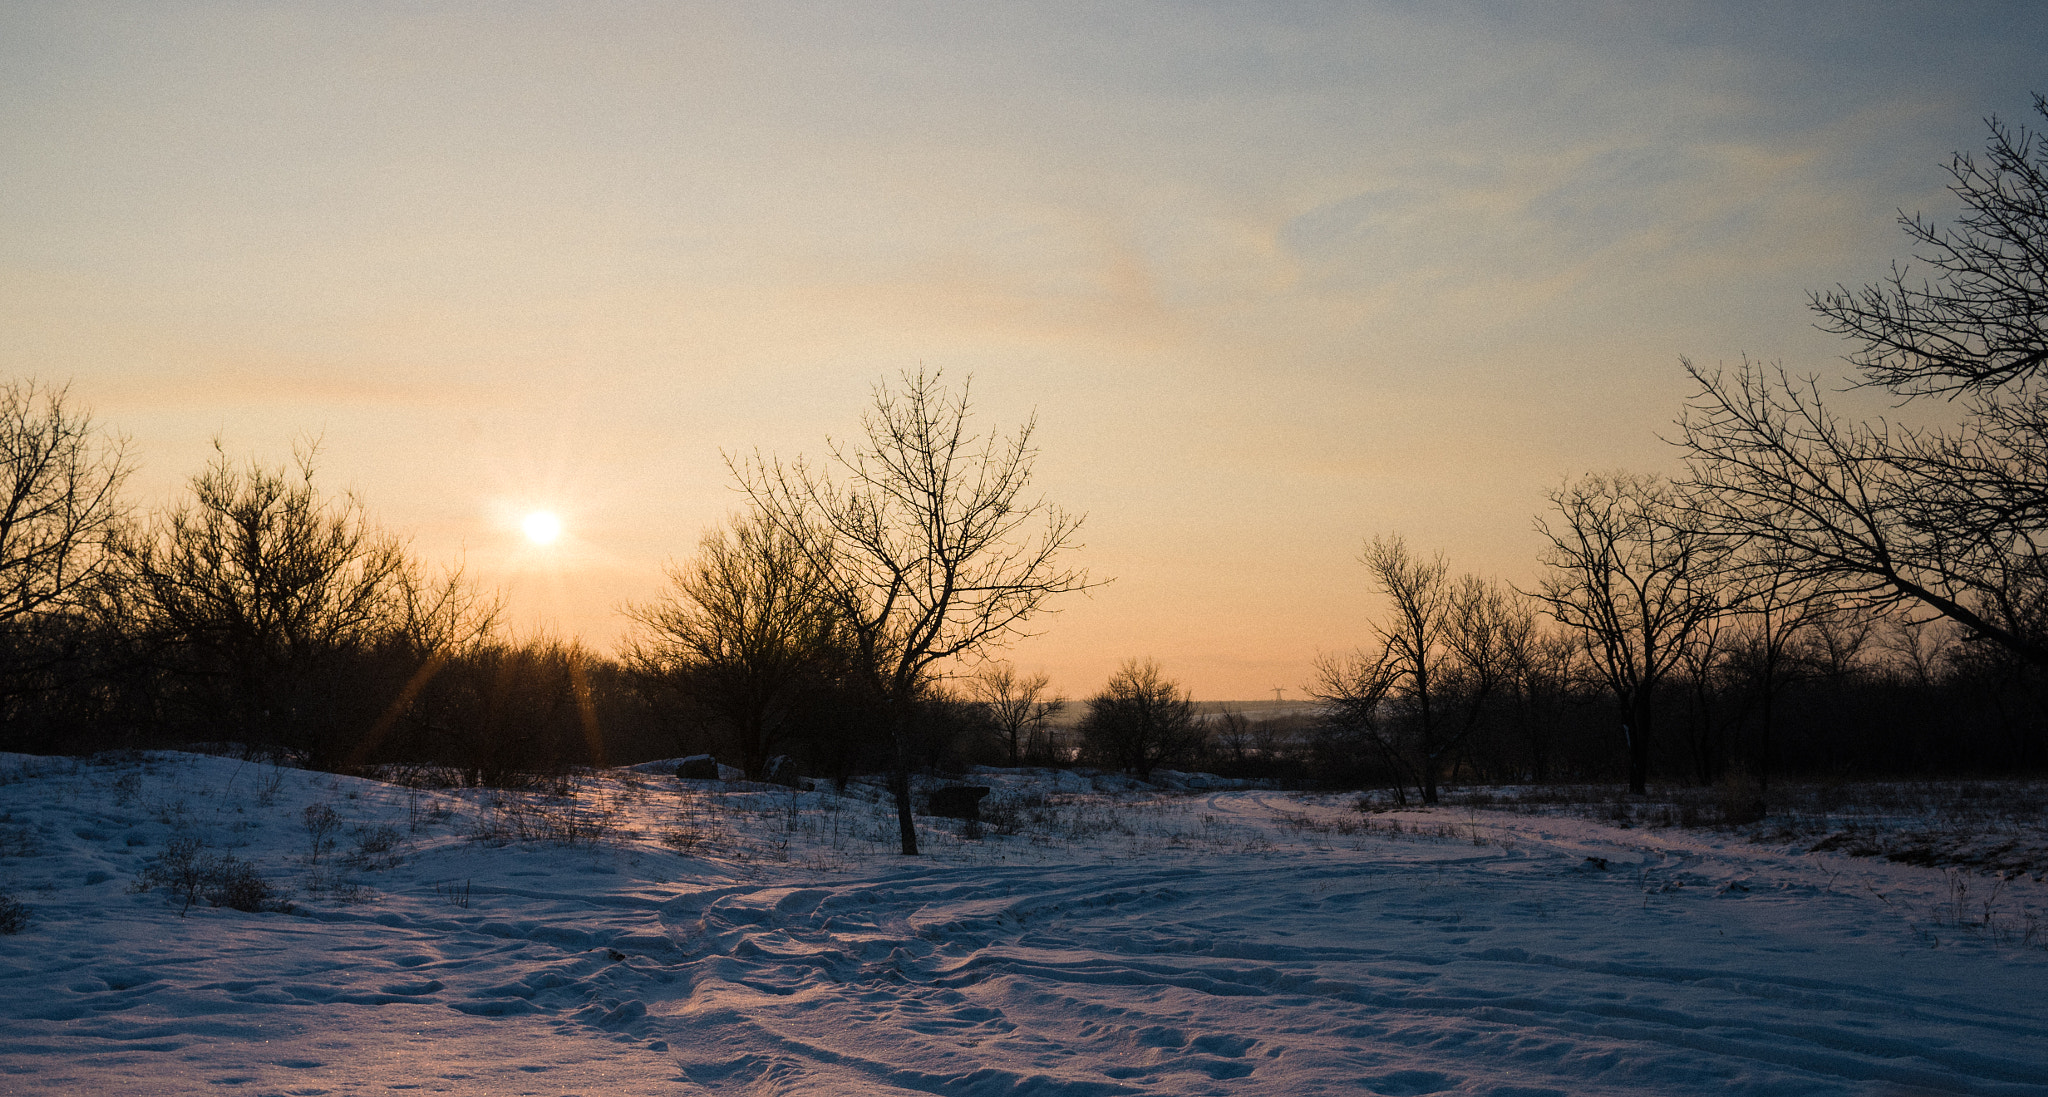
x,y
542,527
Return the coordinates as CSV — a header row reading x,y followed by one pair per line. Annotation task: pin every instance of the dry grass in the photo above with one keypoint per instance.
x,y
1985,826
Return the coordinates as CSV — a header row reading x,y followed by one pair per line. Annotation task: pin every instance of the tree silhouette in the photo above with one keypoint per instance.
x,y
1017,707
1140,720
740,630
1950,519
926,542
60,482
1636,582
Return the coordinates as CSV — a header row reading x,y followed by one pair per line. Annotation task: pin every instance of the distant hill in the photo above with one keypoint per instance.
x,y
1267,709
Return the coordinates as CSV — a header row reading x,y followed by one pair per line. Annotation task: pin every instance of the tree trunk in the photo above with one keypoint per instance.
x,y
899,784
1763,752
1639,742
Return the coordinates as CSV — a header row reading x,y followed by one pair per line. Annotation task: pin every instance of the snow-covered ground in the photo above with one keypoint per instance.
x,y
650,936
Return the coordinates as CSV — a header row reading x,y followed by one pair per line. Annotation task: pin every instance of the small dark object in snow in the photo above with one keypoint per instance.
x,y
615,954
782,771
13,914
698,767
958,802
1598,862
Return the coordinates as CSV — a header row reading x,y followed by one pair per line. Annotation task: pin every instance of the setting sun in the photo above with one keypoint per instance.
x,y
542,527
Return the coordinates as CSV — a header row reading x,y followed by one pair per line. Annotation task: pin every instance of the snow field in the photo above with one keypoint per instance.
x,y
647,936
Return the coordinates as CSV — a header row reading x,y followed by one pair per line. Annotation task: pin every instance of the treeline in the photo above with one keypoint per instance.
x,y
1811,594
1466,680
261,613
1470,682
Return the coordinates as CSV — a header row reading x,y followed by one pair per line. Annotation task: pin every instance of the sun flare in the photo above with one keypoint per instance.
x,y
542,527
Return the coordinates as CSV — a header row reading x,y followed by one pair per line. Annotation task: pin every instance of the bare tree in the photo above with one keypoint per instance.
x,y
1353,691
1706,664
1982,321
1778,604
445,613
519,709
1443,653
1140,720
1881,515
1017,706
928,546
1548,674
1416,645
1492,633
742,629
1949,519
1918,651
437,621
255,587
59,499
1234,734
1636,582
1416,638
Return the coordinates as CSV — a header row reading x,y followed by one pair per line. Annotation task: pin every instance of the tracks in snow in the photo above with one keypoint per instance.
x,y
1407,967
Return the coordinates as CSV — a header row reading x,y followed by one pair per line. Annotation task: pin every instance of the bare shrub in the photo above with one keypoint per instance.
x,y
559,817
1739,797
378,847
234,883
177,868
338,885
223,881
125,788
321,823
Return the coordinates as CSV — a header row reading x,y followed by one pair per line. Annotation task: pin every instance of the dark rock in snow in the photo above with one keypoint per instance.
x,y
958,801
782,771
698,767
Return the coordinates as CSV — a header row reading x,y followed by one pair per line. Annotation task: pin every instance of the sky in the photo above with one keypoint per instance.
x,y
1274,278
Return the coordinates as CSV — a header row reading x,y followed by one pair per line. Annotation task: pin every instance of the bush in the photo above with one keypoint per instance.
x,y
1140,720
223,881
321,823
234,883
377,847
1740,797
